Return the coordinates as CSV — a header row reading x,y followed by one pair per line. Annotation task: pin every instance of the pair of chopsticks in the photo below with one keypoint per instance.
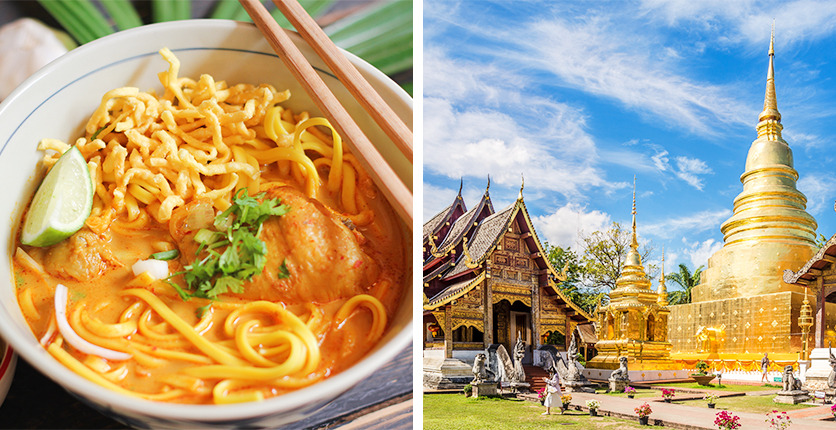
x,y
383,175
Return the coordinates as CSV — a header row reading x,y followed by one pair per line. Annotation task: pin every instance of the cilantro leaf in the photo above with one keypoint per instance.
x,y
232,253
283,272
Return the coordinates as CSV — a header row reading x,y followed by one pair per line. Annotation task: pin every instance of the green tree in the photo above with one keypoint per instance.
x,y
685,279
604,252
567,262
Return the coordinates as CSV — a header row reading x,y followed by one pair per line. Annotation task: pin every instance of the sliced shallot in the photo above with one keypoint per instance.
x,y
158,269
72,337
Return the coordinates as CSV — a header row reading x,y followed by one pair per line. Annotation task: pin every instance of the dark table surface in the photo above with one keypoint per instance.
x,y
385,398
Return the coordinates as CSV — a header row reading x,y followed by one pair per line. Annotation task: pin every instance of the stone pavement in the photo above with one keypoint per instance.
x,y
691,417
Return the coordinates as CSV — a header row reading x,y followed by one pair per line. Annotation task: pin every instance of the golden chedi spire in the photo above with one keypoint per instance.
x,y
662,291
633,285
769,121
770,229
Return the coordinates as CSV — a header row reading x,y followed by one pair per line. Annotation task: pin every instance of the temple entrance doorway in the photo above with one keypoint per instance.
x,y
512,321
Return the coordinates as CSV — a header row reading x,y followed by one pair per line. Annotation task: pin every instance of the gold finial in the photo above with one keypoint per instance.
x,y
662,278
522,185
468,260
770,119
662,300
461,184
635,243
489,184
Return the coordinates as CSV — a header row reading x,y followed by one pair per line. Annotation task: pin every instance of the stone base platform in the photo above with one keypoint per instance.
x,y
446,373
484,389
791,397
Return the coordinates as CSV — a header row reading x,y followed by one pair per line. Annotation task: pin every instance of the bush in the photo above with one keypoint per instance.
x,y
701,367
468,389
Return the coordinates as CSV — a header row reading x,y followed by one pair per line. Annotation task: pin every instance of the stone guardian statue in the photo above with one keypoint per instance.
x,y
519,353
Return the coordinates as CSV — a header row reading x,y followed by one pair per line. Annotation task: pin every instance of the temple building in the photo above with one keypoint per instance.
x,y
634,324
487,280
742,306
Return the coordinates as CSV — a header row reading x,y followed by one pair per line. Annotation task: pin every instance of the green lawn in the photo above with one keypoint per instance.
x,y
724,387
456,412
755,404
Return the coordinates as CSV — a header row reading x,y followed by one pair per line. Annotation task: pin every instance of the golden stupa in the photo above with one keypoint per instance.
x,y
635,322
742,306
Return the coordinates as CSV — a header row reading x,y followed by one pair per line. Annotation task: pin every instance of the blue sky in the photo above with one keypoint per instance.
x,y
581,96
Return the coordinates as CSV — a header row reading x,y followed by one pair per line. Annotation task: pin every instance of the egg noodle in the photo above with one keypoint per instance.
x,y
149,155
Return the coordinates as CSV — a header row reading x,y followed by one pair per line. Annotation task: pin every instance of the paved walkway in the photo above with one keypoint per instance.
x,y
695,418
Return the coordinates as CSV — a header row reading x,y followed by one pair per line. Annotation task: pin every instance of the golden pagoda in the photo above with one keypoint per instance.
x,y
634,323
742,306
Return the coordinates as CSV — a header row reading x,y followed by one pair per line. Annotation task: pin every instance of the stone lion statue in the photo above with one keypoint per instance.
x,y
831,378
790,382
620,374
479,371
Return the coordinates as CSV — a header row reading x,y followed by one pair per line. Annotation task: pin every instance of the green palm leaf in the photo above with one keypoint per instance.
x,y
380,33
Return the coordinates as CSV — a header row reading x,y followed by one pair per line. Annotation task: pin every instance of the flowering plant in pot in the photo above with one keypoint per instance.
x,y
541,394
833,410
668,393
711,399
779,421
565,399
630,391
593,406
726,421
643,412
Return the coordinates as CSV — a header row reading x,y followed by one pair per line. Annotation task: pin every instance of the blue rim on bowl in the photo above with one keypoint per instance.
x,y
8,360
128,53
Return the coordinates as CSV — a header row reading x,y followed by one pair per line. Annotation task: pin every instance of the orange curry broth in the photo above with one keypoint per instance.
x,y
341,346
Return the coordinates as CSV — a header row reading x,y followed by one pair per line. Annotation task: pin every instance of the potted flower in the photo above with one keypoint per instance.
x,y
711,399
631,392
726,421
593,406
565,399
702,377
833,410
541,394
779,421
668,394
643,412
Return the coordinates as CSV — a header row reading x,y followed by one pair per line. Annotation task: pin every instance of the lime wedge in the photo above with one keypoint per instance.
x,y
62,203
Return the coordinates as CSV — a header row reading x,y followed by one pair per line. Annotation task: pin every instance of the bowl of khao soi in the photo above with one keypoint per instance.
x,y
192,244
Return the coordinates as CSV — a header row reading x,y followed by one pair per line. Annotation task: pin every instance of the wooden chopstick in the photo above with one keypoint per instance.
x,y
383,175
348,75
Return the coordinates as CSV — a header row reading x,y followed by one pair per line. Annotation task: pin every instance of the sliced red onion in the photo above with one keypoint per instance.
x,y
73,338
156,268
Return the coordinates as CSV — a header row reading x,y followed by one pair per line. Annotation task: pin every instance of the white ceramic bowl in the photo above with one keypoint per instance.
x,y
56,102
8,360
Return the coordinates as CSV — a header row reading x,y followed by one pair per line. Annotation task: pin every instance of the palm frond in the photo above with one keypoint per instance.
x,y
380,32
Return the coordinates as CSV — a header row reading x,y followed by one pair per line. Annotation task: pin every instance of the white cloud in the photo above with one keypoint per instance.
x,y
562,226
479,122
699,252
748,21
687,169
436,199
690,224
600,56
661,161
819,191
